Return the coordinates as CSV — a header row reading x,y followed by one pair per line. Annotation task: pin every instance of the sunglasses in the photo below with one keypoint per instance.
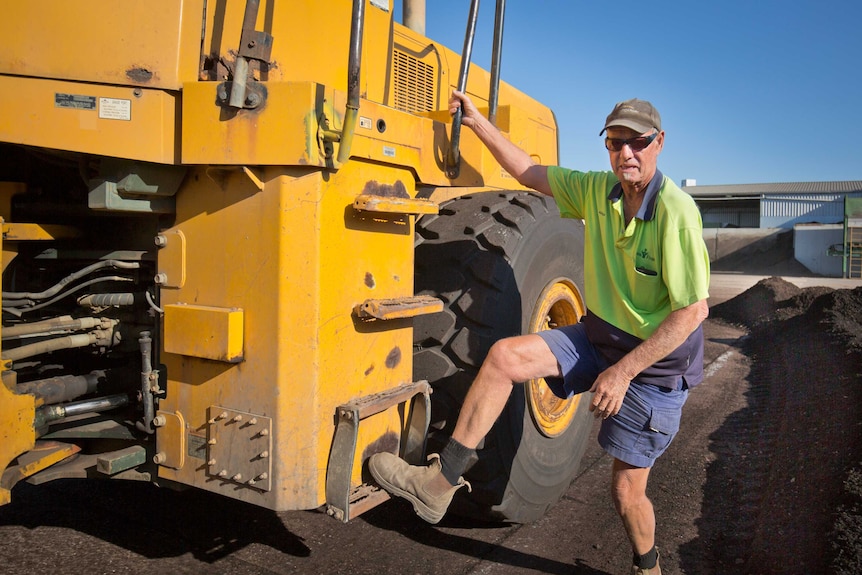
x,y
636,144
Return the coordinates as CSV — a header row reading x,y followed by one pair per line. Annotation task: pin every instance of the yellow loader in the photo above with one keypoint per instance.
x,y
245,247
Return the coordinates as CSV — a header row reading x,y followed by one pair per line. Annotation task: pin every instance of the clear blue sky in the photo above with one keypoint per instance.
x,y
750,91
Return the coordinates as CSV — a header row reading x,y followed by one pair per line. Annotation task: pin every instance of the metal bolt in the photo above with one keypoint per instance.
x,y
252,421
237,418
212,441
211,462
160,421
222,415
264,432
237,477
161,278
263,476
252,100
159,458
264,454
160,240
222,473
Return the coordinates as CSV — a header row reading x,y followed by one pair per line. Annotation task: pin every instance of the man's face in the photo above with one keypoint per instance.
x,y
629,164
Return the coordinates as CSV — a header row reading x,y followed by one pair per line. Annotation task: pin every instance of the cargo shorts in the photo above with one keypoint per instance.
x,y
650,414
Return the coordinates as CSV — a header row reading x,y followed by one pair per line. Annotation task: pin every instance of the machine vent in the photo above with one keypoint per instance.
x,y
414,84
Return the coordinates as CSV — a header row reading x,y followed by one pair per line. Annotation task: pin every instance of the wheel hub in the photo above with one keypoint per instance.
x,y
559,304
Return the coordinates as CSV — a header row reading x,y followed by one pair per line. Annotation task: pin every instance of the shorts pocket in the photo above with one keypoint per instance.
x,y
665,421
660,430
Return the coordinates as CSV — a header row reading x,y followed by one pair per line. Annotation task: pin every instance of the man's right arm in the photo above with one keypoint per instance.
x,y
512,158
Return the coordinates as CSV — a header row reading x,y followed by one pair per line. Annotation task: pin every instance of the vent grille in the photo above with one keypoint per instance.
x,y
414,84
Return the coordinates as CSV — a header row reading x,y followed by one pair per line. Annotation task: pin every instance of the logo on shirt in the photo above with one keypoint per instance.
x,y
645,255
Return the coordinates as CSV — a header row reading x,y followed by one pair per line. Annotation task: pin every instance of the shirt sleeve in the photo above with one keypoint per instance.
x,y
686,259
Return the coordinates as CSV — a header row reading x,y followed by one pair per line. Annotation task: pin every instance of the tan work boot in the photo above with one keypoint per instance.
x,y
413,483
647,571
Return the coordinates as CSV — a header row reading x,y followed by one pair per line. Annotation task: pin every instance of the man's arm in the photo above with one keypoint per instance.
x,y
611,385
513,159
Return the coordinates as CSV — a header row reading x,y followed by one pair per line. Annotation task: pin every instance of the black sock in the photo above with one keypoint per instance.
x,y
454,460
647,560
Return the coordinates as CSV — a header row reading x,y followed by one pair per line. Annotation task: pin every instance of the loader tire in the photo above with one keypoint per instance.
x,y
504,264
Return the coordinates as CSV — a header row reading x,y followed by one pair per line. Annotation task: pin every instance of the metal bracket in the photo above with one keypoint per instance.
x,y
343,503
255,94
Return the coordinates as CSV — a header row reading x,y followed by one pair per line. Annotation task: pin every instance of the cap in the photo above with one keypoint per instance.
x,y
639,115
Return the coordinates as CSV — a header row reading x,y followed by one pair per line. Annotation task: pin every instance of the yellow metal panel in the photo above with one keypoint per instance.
x,y
171,436
283,131
204,331
17,434
297,258
108,120
154,43
172,259
310,41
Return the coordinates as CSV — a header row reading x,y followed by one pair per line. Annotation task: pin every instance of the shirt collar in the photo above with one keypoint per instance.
x,y
647,209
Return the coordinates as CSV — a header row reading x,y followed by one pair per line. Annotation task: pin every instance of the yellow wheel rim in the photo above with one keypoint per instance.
x,y
560,304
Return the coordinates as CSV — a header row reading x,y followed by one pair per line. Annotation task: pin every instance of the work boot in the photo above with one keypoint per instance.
x,y
414,483
647,570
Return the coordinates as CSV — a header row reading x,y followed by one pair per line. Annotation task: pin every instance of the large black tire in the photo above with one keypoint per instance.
x,y
504,264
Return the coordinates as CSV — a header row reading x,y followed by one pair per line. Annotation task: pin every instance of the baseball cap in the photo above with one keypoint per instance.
x,y
639,115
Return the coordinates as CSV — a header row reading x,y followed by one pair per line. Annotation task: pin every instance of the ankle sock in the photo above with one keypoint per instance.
x,y
647,560
454,459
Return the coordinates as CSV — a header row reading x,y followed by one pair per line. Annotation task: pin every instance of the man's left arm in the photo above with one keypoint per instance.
x,y
611,385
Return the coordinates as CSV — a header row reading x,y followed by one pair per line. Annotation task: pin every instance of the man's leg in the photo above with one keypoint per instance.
x,y
628,488
635,437
509,360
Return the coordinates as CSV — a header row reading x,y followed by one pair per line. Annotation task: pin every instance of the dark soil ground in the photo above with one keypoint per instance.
x,y
792,502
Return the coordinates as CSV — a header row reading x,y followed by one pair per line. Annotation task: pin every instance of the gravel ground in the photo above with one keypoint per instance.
x,y
793,499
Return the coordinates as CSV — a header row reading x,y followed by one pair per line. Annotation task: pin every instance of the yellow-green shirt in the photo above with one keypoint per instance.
x,y
635,275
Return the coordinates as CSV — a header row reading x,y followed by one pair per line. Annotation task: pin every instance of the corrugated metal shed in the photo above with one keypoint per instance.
x,y
779,205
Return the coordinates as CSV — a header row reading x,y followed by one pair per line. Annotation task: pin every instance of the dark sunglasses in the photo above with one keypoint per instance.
x,y
636,144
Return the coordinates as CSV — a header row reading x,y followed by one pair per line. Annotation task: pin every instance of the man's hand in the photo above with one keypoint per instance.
x,y
609,389
512,158
469,112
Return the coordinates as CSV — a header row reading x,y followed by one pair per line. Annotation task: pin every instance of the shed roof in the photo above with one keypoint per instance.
x,y
758,190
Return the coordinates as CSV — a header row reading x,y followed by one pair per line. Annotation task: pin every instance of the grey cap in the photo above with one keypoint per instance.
x,y
639,115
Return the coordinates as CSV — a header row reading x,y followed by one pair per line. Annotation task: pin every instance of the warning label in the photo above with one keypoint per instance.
x,y
115,109
75,101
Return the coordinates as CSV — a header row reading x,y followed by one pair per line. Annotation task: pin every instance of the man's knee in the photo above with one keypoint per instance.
x,y
521,358
628,487
500,356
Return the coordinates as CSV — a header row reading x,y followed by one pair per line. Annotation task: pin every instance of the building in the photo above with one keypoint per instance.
x,y
773,205
816,212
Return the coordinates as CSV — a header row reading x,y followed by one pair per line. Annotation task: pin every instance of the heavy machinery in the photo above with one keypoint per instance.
x,y
244,241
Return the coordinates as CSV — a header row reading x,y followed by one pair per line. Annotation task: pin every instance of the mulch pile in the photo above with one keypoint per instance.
x,y
800,461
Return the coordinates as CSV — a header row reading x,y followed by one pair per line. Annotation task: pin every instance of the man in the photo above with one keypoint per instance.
x,y
638,349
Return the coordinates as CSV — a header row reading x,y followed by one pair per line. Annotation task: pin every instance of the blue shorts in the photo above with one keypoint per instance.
x,y
649,417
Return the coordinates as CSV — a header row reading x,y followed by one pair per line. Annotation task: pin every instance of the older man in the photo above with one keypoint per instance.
x,y
638,349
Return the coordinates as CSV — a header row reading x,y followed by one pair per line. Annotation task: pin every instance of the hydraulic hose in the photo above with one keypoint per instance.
x,y
62,388
99,336
49,413
70,278
50,326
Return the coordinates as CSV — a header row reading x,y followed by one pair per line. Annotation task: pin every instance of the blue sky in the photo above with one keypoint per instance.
x,y
750,91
